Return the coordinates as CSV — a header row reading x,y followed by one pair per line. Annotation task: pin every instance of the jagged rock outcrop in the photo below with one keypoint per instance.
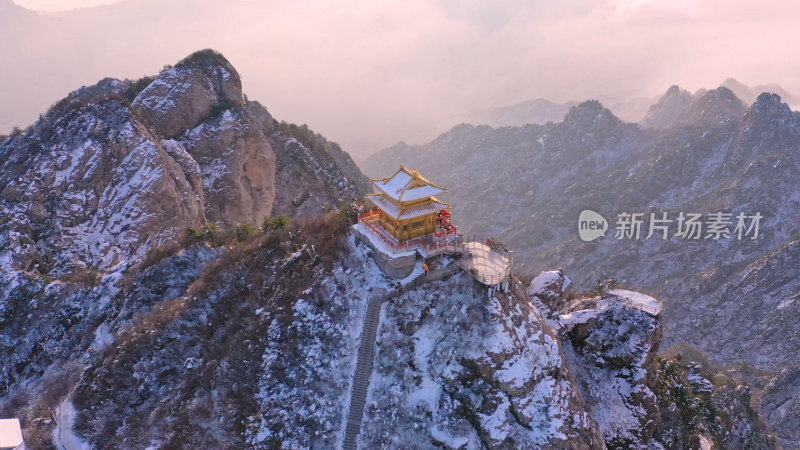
x,y
458,370
668,109
547,291
182,97
238,167
636,398
707,108
615,352
314,174
199,103
89,186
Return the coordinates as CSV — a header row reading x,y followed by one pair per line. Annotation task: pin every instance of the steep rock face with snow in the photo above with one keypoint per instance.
x,y
460,370
102,188
199,104
182,97
615,351
636,398
89,186
314,173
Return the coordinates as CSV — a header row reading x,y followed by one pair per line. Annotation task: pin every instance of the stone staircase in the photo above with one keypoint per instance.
x,y
366,355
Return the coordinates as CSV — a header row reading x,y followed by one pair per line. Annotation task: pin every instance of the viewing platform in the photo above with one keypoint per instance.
x,y
486,260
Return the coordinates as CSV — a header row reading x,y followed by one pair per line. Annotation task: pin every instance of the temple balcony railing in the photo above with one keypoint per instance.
x,y
445,241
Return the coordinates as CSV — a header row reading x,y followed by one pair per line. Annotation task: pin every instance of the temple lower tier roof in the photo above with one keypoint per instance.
x,y
393,210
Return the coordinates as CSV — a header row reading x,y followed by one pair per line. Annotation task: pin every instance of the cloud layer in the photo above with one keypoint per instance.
x,y
368,74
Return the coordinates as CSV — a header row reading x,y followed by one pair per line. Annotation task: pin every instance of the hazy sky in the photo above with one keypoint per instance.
x,y
61,5
370,73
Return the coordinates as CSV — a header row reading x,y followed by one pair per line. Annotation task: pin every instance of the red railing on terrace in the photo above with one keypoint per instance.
x,y
442,239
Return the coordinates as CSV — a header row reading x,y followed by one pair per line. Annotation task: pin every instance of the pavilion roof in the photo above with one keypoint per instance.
x,y
407,185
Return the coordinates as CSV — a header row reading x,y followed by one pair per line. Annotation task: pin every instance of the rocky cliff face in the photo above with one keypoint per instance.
x,y
198,105
102,188
636,398
90,186
314,173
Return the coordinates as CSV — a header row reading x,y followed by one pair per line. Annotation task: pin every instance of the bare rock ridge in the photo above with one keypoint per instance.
x,y
679,107
665,112
128,165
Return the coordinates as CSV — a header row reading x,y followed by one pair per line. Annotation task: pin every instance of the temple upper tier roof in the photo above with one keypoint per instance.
x,y
407,186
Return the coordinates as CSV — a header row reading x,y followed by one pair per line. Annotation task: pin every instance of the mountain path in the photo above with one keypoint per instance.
x,y
361,379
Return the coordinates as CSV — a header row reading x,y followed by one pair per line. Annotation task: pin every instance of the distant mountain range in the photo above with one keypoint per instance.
x,y
541,111
749,94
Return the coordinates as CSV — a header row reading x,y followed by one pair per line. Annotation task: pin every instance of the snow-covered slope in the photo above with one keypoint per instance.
x,y
104,186
458,369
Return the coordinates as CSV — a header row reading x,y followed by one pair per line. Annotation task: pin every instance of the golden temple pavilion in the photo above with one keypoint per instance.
x,y
408,207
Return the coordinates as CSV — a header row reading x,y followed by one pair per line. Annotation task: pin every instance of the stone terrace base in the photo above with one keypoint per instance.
x,y
396,266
